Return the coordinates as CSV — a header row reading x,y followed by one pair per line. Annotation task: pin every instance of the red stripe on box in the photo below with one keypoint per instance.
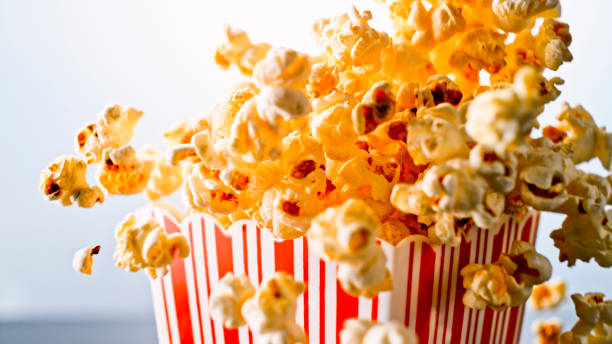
x,y
166,310
512,322
225,263
179,289
375,308
321,302
305,265
347,307
464,257
439,296
283,256
195,280
409,280
204,233
526,230
520,323
428,261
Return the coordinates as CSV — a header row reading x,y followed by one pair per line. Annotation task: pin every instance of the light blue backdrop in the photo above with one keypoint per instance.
x,y
61,61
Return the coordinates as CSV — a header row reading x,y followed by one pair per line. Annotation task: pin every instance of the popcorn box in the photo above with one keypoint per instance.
x,y
427,293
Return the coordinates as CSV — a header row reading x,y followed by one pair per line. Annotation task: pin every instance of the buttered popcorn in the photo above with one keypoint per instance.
x,y
594,323
378,136
548,332
83,259
547,295
147,246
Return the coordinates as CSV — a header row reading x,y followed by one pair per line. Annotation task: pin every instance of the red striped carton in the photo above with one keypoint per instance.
x,y
427,293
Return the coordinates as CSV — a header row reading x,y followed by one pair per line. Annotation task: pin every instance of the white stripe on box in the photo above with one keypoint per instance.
x,y
198,233
365,308
395,300
313,297
238,267
160,313
267,254
174,330
252,253
444,294
453,291
213,270
513,234
191,292
466,310
433,323
414,283
330,302
298,275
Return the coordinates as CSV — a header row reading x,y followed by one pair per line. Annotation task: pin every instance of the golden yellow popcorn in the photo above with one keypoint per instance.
x,y
500,170
65,180
286,209
347,234
114,129
333,127
548,331
227,299
270,314
83,259
554,42
283,67
586,140
124,172
446,20
358,331
410,198
239,51
412,96
281,103
595,320
508,282
515,15
444,231
432,139
303,162
146,245
376,106
547,295
587,193
223,114
350,41
165,178
478,48
444,90
202,190
322,80
179,134
585,236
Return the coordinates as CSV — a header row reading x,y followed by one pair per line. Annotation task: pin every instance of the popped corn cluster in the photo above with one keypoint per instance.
x,y
547,295
547,332
358,331
424,131
595,320
268,311
508,282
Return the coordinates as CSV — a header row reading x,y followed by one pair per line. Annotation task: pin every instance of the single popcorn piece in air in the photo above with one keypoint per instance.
x,y
358,331
124,171
270,313
83,259
65,181
594,323
227,299
547,332
146,246
548,295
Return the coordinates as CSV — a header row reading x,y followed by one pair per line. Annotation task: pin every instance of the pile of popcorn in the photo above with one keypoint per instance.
x,y
426,131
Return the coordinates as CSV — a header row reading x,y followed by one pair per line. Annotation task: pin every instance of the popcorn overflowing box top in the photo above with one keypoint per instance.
x,y
427,130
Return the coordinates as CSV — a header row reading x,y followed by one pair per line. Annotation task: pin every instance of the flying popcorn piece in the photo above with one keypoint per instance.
x,y
515,15
555,39
585,236
508,282
113,129
547,295
594,320
228,298
165,179
238,50
358,331
83,259
376,107
124,171
283,67
548,332
65,181
347,234
146,246
270,313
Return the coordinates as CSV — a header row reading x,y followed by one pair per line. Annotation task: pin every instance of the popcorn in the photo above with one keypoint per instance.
x,y
322,80
282,67
500,171
270,313
547,296
376,107
478,48
227,300
202,190
332,125
514,15
274,103
595,320
124,172
146,245
358,331
238,50
347,234
165,179
65,180
446,21
548,332
508,282
224,113
433,139
114,129
83,259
